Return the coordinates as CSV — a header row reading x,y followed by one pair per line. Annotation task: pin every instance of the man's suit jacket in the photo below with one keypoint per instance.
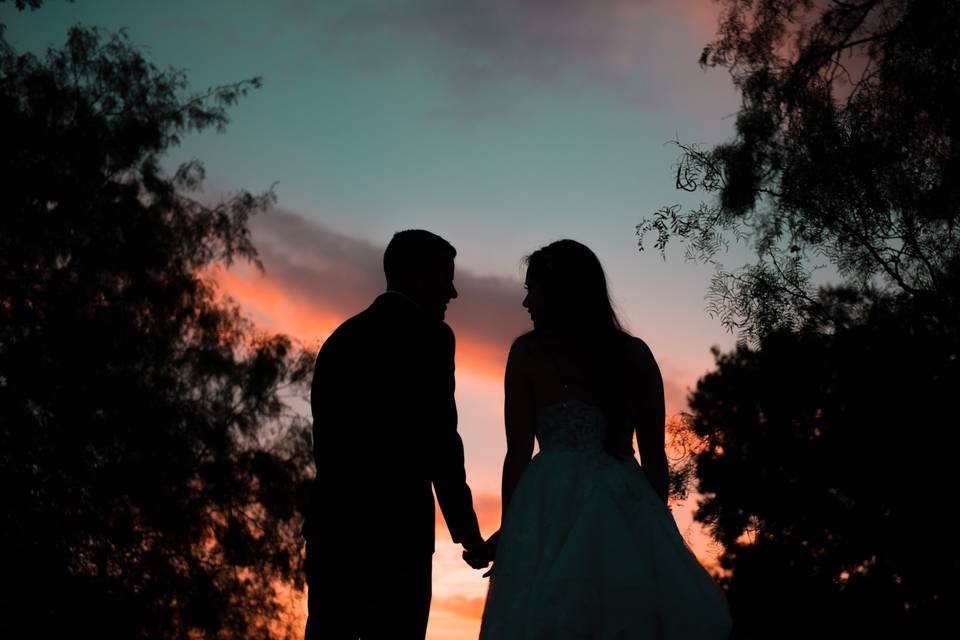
x,y
385,430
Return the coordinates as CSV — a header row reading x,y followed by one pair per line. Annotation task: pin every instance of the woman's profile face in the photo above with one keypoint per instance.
x,y
535,301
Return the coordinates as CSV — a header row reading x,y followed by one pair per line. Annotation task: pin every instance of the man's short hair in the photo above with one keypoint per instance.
x,y
412,248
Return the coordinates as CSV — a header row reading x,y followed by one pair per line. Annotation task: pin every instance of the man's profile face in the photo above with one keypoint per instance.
x,y
433,286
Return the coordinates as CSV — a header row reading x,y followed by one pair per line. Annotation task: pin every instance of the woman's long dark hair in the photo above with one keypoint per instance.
x,y
571,278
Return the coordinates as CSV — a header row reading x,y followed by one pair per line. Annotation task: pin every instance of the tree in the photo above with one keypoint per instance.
x,y
846,151
149,459
23,4
827,476
826,436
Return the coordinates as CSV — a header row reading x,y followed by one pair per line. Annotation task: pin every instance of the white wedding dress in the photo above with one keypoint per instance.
x,y
588,550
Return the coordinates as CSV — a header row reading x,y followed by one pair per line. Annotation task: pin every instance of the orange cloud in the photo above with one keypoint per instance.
x,y
486,359
272,308
471,608
316,278
275,308
445,625
488,512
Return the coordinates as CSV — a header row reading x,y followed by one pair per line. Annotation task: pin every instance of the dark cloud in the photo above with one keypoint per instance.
x,y
636,48
336,273
533,39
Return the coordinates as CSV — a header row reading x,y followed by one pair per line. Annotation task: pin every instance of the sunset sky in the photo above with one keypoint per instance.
x,y
499,124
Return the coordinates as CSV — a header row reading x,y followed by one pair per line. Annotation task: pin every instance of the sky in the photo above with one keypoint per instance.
x,y
499,124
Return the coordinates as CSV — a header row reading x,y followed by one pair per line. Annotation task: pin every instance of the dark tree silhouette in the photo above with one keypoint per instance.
x,y
828,434
23,4
148,457
828,475
846,153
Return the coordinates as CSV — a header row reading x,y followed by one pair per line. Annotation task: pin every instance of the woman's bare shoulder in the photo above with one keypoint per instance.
x,y
523,350
641,355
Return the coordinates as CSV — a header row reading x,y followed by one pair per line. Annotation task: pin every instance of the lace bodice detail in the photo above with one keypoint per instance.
x,y
571,425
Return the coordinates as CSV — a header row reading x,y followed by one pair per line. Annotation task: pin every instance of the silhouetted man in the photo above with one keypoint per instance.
x,y
385,430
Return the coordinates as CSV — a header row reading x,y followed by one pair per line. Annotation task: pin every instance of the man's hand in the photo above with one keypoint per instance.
x,y
480,554
477,558
476,553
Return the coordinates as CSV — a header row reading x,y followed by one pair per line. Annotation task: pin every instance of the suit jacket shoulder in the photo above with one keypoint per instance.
x,y
447,339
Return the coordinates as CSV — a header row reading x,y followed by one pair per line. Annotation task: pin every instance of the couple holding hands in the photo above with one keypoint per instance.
x,y
587,547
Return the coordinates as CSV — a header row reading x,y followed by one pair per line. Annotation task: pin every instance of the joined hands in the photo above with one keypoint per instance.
x,y
480,554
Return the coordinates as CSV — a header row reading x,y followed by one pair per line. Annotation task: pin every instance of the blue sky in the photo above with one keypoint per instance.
x,y
500,125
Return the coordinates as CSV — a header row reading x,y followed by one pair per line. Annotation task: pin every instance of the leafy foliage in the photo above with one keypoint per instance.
x,y
149,455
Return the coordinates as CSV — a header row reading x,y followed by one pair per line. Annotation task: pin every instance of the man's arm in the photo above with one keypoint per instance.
x,y
331,455
323,392
446,455
319,393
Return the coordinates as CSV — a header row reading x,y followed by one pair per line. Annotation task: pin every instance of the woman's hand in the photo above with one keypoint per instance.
x,y
477,554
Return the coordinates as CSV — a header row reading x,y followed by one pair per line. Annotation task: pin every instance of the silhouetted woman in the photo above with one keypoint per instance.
x,y
588,547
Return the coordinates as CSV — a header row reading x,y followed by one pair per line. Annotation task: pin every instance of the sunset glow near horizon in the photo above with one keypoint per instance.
x,y
500,124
